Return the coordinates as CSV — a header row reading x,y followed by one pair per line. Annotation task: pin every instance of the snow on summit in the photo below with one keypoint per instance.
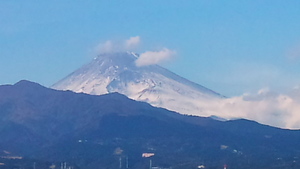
x,y
117,72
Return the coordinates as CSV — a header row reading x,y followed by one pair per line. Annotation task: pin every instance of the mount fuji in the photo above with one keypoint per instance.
x,y
117,72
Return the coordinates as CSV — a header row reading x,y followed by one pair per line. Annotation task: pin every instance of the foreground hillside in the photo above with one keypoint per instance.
x,y
112,131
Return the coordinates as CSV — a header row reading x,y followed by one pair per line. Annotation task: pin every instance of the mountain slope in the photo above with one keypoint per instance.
x,y
92,131
117,72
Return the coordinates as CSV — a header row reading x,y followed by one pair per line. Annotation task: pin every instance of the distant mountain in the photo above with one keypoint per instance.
x,y
117,72
112,131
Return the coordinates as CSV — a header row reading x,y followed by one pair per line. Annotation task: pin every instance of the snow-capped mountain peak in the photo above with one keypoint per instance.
x,y
117,72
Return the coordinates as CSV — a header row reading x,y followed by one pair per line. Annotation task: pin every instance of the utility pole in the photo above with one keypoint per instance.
x,y
120,160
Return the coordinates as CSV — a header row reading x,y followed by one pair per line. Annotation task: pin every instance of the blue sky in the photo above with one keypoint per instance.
x,y
232,47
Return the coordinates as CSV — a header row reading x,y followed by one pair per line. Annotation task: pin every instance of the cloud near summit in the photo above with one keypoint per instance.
x,y
132,42
110,46
146,58
154,57
106,47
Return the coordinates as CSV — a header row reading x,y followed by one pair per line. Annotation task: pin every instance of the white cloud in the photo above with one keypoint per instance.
x,y
266,107
118,46
132,42
106,47
154,57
